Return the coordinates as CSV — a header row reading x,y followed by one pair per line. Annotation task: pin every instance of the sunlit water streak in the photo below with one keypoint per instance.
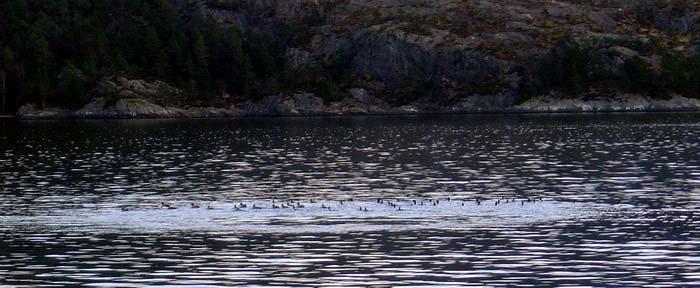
x,y
621,195
318,217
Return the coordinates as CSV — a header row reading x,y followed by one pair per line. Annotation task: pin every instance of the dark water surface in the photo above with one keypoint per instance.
x,y
620,195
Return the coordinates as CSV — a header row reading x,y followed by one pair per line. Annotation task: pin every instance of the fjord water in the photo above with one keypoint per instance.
x,y
620,195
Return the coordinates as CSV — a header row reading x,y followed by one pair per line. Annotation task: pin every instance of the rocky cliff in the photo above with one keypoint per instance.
x,y
461,48
400,56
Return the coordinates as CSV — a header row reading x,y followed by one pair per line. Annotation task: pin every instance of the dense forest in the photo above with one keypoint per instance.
x,y
575,68
53,52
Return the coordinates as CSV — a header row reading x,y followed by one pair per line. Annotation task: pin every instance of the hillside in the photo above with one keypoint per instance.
x,y
461,47
490,54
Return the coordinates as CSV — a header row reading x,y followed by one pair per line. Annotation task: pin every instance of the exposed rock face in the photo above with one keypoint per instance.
x,y
486,103
31,111
301,103
120,87
120,97
389,63
125,108
618,103
362,103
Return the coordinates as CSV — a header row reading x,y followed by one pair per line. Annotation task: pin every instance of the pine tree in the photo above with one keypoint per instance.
x,y
117,63
262,58
6,60
89,69
161,66
39,52
249,78
13,16
232,61
71,86
154,58
638,74
148,39
201,61
164,17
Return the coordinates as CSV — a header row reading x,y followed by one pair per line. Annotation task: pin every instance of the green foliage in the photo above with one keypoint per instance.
x,y
681,74
145,38
72,86
638,77
573,69
327,89
6,62
416,83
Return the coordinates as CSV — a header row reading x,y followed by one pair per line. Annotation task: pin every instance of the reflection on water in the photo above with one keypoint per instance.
x,y
587,167
316,217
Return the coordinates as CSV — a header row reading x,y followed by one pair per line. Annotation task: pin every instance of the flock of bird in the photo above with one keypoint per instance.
x,y
391,203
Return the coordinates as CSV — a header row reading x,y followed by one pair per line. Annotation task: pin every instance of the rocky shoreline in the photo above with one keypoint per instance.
x,y
398,51
305,104
132,99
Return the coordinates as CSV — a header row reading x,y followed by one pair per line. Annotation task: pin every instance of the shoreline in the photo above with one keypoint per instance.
x,y
323,115
308,105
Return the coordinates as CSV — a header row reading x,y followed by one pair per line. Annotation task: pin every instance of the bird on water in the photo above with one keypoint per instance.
x,y
167,206
390,203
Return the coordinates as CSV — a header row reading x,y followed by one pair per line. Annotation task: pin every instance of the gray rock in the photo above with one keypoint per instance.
x,y
93,109
623,51
138,108
30,111
299,58
121,87
307,103
124,108
300,103
486,103
366,100
360,101
603,21
616,103
389,63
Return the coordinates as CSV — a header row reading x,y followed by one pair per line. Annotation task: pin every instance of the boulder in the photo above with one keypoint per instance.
x,y
623,51
93,109
139,108
307,103
618,102
280,104
485,103
125,108
30,111
606,23
360,101
124,88
363,96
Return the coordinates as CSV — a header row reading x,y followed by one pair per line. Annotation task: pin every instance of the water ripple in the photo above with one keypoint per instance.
x,y
621,195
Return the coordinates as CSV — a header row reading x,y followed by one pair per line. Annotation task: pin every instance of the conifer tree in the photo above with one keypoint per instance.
x,y
6,60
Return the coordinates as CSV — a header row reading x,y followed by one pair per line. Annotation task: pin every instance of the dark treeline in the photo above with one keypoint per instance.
x,y
53,52
574,68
